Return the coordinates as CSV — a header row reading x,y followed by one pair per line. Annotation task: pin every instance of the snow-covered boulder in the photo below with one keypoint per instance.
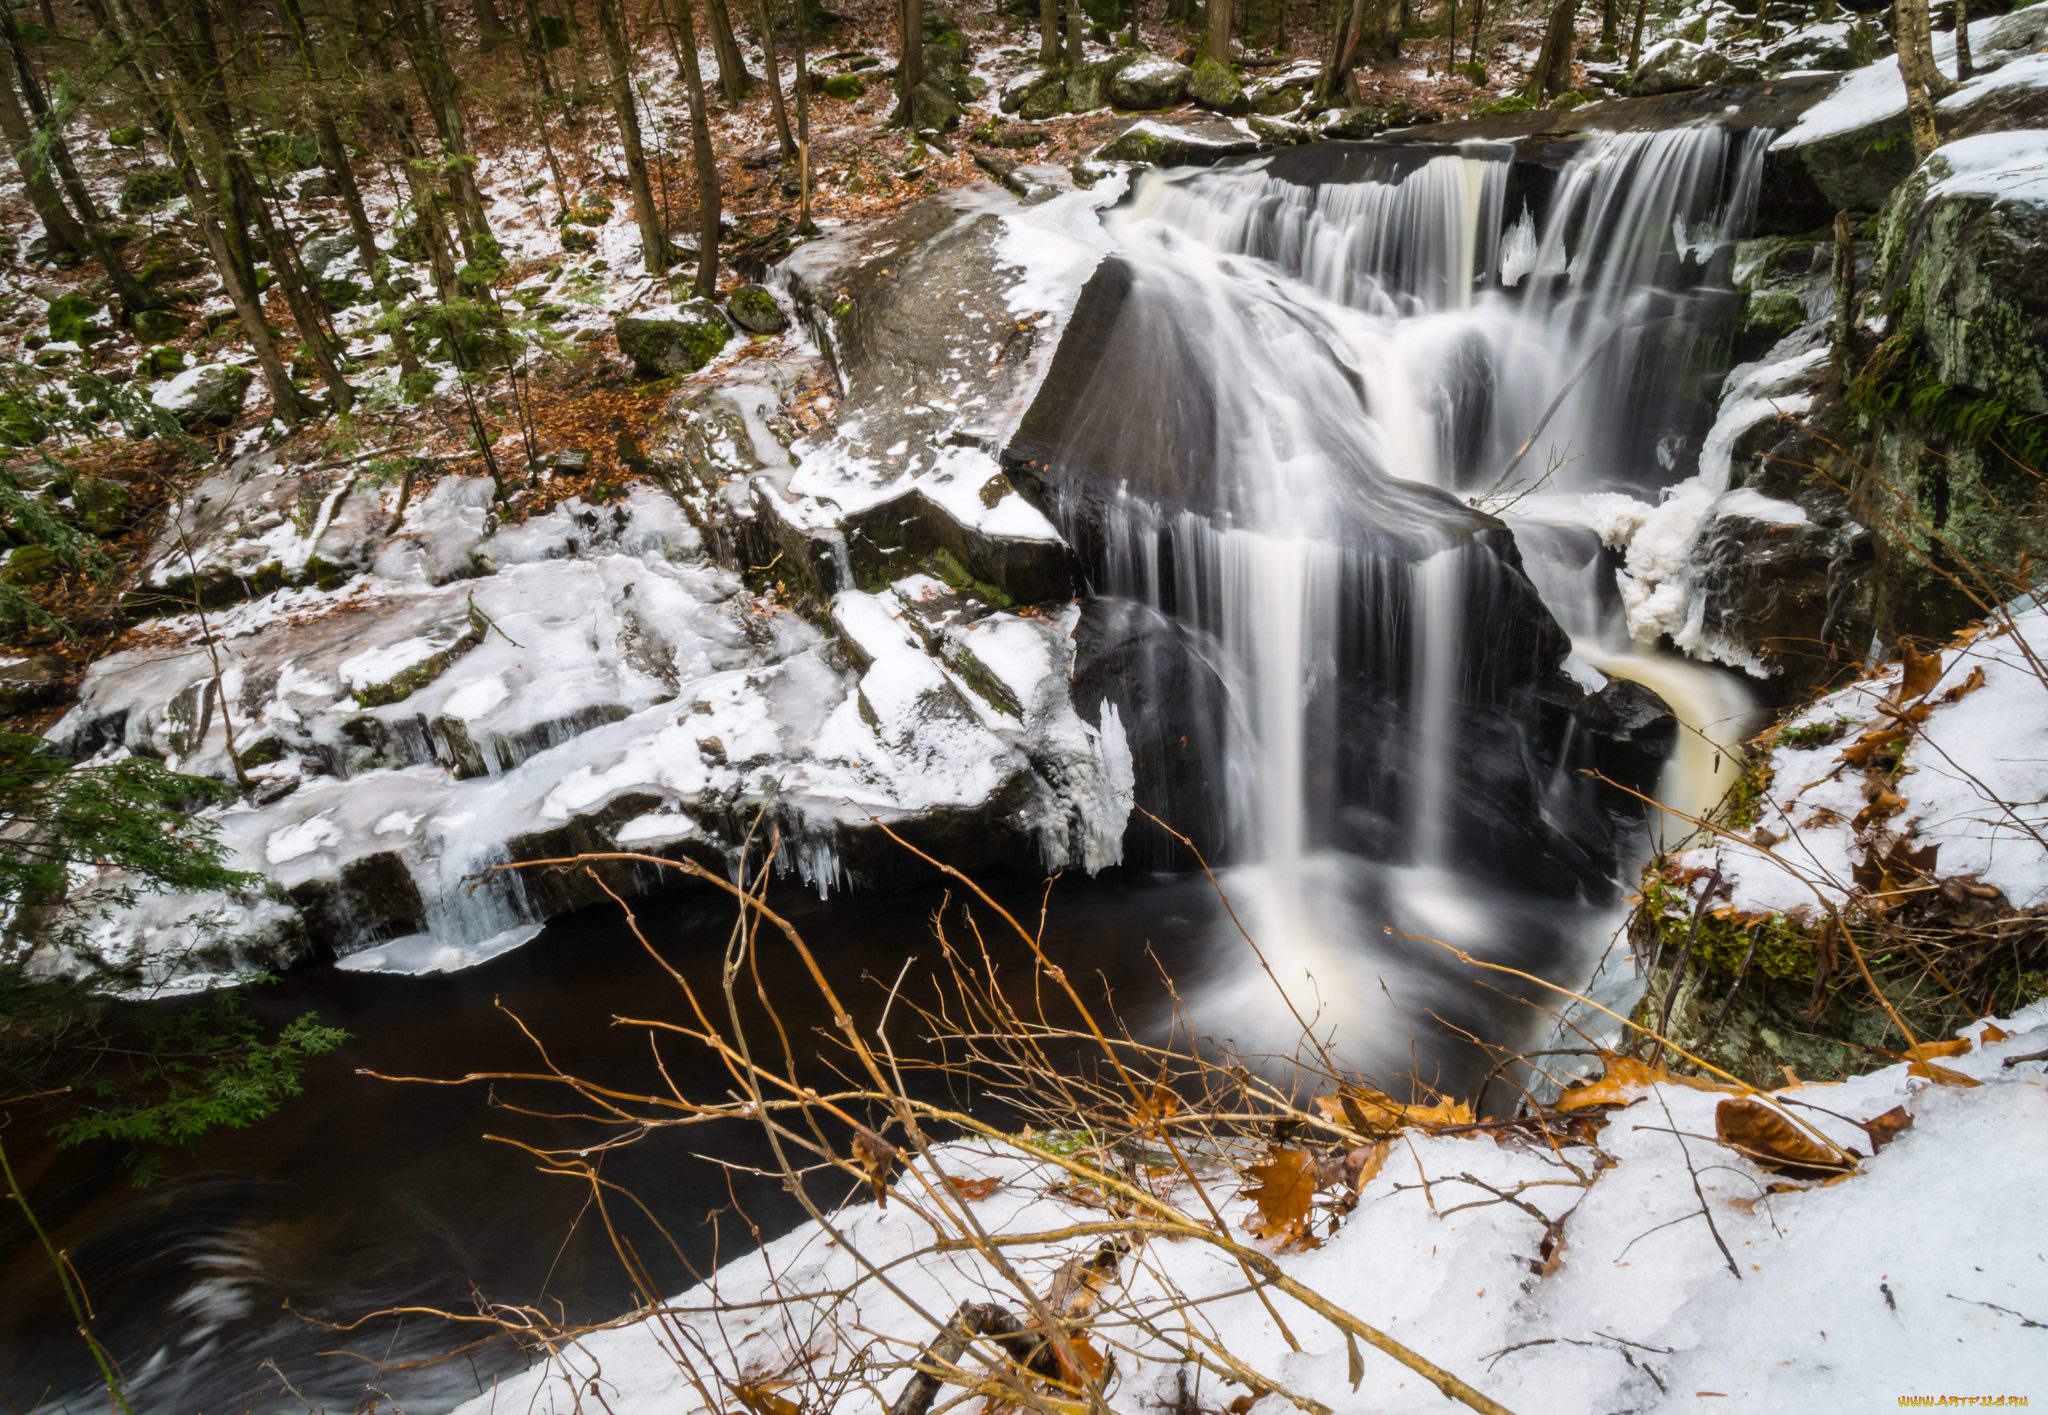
x,y
673,338
1152,82
208,395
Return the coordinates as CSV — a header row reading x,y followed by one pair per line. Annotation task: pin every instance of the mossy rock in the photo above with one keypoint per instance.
x,y
161,362
936,109
845,87
1767,317
680,339
1214,86
288,152
1088,85
99,505
127,135
1035,95
1279,102
1147,84
753,309
71,320
31,566
343,294
21,422
211,397
148,188
155,326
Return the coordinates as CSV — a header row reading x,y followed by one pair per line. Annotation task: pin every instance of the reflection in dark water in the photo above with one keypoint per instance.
x,y
363,1194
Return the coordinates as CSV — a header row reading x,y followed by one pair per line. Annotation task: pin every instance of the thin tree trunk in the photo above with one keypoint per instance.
x,y
1341,46
174,118
910,59
1843,279
420,27
1219,30
491,29
334,157
1610,23
1553,71
90,225
1077,34
734,83
1478,21
1965,65
412,160
1916,68
775,105
314,340
654,249
708,190
60,227
581,91
1048,33
803,123
1635,36
537,48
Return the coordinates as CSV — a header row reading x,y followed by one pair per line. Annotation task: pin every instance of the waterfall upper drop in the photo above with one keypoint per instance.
x,y
1265,432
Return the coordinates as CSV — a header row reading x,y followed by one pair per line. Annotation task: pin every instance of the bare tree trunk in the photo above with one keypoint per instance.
x,y
1635,37
170,104
803,123
709,194
1341,47
60,227
1048,33
412,161
581,90
1916,67
1219,30
1553,72
90,225
420,28
1077,35
654,248
775,104
1610,24
734,83
538,48
314,340
910,59
1843,279
491,29
334,157
1965,65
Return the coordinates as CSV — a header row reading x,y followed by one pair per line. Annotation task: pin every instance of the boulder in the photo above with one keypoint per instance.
x,y
321,186
673,338
1150,83
1279,131
127,135
937,110
148,188
30,683
754,309
155,326
1088,85
1678,64
1162,143
1034,88
1214,86
845,87
73,319
1352,123
207,395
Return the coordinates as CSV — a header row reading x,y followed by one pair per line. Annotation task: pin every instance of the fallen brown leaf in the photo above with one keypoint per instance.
x,y
1969,685
1883,1129
1923,671
1284,1188
1624,1075
877,1159
1765,1135
1993,1033
1940,1075
978,1188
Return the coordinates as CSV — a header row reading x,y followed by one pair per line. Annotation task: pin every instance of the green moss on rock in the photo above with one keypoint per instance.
x,y
680,339
71,320
754,309
148,188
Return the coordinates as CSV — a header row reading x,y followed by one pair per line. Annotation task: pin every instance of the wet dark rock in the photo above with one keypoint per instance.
x,y
34,682
1677,65
1161,678
372,899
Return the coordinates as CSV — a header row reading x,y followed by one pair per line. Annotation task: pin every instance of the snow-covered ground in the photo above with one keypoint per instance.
x,y
1680,1275
1971,779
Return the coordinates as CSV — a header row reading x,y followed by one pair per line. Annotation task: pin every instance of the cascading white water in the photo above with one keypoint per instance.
x,y
1350,334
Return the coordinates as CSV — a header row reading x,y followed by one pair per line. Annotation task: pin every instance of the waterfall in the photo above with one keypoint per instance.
x,y
1295,379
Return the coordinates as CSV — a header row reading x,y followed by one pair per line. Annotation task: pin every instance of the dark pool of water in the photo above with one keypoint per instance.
x,y
211,1286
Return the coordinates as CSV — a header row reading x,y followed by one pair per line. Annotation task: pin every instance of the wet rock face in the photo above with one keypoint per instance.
x,y
1677,65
